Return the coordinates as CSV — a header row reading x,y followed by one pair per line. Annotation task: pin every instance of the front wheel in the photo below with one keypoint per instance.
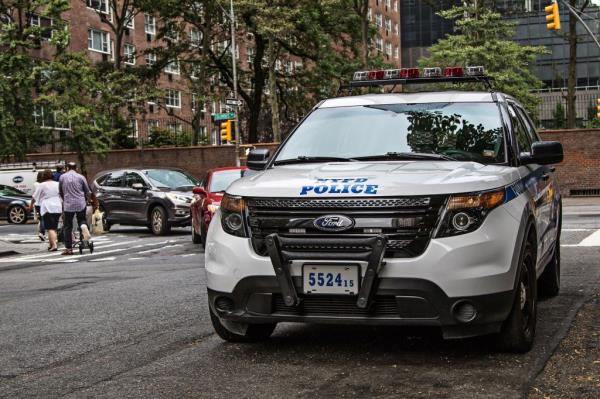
x,y
251,332
159,223
518,330
17,215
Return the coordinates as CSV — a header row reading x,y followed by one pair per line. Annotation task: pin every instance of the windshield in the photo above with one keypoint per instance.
x,y
221,180
7,190
173,179
461,131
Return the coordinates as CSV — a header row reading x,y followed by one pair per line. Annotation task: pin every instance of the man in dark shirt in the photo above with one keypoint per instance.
x,y
60,169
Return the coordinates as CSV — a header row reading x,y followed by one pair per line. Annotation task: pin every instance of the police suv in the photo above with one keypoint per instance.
x,y
426,208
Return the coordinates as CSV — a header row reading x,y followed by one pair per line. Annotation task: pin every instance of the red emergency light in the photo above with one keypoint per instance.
x,y
452,72
407,73
376,75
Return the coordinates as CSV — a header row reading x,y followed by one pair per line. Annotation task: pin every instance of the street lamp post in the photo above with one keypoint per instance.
x,y
235,85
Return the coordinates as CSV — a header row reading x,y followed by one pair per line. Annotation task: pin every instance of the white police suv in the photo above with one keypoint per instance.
x,y
430,208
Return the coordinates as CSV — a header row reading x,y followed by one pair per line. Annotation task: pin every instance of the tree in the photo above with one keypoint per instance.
x,y
25,26
482,37
76,93
559,116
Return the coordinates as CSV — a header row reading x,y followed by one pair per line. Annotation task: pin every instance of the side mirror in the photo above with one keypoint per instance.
x,y
138,186
199,190
544,153
258,158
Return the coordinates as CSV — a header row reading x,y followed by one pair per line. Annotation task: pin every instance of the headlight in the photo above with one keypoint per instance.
x,y
232,215
212,208
178,199
466,212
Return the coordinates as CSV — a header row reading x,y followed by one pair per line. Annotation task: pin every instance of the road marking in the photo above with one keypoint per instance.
x,y
158,249
52,254
578,229
103,259
186,255
593,240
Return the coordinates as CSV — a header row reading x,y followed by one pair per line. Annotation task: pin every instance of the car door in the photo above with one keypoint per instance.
x,y
532,176
549,207
110,194
135,201
3,203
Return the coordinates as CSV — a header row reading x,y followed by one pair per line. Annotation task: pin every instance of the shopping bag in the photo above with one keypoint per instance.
x,y
97,226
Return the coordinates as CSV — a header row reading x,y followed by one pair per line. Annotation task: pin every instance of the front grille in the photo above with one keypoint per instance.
x,y
384,305
407,222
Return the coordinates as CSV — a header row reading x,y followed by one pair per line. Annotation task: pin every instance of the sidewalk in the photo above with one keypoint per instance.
x,y
8,247
587,206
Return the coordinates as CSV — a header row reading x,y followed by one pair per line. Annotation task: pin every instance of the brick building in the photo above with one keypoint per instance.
x,y
91,34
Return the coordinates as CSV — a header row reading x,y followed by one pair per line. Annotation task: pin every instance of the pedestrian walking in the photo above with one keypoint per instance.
x,y
47,197
60,170
34,201
74,191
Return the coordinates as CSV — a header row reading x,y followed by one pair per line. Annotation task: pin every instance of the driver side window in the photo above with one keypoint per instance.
x,y
132,178
521,134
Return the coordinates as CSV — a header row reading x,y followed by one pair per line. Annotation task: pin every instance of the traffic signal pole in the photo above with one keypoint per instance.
x,y
238,139
574,13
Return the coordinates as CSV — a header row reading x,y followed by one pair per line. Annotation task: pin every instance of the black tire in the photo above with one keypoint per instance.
x,y
106,225
254,332
518,330
159,223
16,215
549,281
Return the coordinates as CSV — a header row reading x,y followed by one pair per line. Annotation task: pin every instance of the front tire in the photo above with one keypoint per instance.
x,y
549,282
518,330
106,225
159,224
17,215
253,332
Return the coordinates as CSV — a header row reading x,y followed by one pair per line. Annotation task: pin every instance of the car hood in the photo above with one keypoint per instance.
x,y
16,197
389,178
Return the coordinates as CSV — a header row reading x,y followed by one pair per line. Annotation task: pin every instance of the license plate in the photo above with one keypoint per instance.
x,y
330,279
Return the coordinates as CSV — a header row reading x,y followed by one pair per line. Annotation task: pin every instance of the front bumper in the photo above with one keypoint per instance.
x,y
180,216
477,268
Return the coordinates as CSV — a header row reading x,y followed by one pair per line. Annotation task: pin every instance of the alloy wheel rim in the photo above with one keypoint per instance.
x,y
156,220
17,214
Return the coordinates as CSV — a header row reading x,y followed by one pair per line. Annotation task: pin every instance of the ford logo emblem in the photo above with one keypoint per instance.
x,y
333,223
18,179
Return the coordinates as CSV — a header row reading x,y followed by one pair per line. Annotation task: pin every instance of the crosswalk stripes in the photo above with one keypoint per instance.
x,y
105,249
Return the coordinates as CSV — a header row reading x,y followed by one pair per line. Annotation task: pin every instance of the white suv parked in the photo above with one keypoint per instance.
x,y
435,209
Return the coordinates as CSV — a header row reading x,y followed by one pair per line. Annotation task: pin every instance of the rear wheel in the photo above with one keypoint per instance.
x,y
549,282
518,330
159,223
246,333
106,225
17,215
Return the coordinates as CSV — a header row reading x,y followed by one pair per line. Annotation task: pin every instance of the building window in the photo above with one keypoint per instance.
x,y
388,4
150,59
129,19
388,24
98,41
174,127
196,37
379,44
98,5
396,28
133,126
172,67
195,101
396,52
250,55
152,125
129,50
171,32
173,98
149,24
378,20
388,49
44,23
395,5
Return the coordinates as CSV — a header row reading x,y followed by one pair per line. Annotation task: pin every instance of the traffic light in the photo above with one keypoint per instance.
x,y
552,16
226,131
598,108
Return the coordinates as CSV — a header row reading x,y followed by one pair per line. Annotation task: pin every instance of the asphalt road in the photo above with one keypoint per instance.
x,y
131,321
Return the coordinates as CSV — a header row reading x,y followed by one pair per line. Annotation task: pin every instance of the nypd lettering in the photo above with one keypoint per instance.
x,y
352,186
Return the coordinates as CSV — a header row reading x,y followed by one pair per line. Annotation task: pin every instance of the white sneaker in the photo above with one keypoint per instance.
x,y
86,232
42,237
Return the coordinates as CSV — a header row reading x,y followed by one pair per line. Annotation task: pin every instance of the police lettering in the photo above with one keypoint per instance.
x,y
341,186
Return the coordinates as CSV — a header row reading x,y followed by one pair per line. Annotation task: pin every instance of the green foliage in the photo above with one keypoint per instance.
x,y
160,137
482,37
592,118
560,120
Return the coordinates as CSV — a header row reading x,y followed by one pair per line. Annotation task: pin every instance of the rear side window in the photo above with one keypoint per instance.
x,y
533,136
115,179
132,178
521,134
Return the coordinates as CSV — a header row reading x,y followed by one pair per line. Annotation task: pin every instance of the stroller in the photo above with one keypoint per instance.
x,y
78,239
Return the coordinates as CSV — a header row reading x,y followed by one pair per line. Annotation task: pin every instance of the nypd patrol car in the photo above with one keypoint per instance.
x,y
424,208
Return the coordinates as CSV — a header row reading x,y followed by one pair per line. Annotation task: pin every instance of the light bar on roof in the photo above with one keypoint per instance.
x,y
407,73
376,75
475,71
453,72
392,73
361,75
433,72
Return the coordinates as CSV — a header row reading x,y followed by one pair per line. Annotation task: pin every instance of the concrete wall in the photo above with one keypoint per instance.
x,y
579,171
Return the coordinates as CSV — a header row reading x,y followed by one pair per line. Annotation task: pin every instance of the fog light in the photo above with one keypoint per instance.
x,y
224,304
461,221
234,221
464,311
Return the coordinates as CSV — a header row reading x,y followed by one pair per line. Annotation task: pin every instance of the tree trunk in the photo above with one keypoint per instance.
x,y
255,107
572,71
364,34
273,100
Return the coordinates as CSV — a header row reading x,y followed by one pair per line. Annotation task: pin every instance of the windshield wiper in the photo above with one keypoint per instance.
x,y
307,159
405,156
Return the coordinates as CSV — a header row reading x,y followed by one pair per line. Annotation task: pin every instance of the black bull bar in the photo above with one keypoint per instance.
x,y
372,251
